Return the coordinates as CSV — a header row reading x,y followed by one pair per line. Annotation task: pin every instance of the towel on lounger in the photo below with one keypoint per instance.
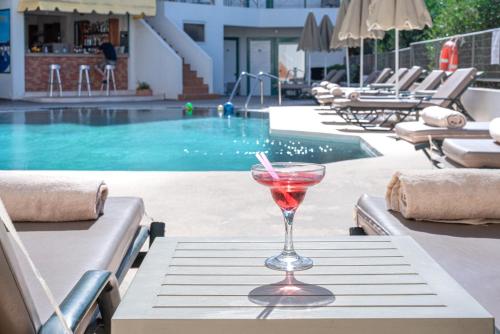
x,y
324,84
495,129
337,92
468,196
443,118
353,96
331,86
40,197
317,90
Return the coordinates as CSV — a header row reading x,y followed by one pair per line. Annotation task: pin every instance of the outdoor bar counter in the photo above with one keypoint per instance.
x,y
37,70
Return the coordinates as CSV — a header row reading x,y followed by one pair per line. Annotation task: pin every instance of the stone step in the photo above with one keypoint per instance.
x,y
194,97
195,90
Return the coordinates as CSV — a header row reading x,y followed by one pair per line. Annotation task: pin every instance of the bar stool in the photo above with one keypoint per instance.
x,y
57,69
84,69
109,70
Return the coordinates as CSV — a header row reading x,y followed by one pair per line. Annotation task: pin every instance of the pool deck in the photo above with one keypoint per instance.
x,y
232,204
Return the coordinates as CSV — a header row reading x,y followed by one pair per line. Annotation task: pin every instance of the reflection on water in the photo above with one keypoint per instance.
x,y
290,292
94,116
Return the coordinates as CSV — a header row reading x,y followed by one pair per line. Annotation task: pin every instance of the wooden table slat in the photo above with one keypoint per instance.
x,y
250,253
338,290
299,301
263,271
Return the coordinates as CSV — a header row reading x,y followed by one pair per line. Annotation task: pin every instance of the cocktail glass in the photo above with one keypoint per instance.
x,y
288,184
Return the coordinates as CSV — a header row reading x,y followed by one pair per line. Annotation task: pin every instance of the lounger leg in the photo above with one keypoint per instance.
x,y
356,231
156,229
108,303
462,109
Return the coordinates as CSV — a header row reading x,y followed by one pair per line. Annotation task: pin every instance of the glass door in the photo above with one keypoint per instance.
x,y
291,63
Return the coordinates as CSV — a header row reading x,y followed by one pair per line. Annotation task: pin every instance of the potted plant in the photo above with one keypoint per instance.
x,y
143,89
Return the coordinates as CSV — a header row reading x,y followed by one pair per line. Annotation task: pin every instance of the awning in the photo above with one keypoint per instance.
x,y
132,7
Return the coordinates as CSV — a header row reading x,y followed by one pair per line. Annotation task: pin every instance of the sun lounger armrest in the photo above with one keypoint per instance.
x,y
424,92
95,287
382,86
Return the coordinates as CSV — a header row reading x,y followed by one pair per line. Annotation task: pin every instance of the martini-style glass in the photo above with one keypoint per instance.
x,y
288,182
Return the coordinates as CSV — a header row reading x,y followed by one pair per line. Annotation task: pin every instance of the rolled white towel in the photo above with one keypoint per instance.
x,y
443,117
331,86
451,195
337,92
30,197
495,129
324,84
316,90
354,96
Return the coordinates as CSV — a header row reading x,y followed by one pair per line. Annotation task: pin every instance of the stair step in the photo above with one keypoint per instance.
x,y
193,97
195,91
194,85
193,82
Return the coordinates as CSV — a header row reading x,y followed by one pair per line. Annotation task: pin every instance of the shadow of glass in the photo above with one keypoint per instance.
x,y
290,292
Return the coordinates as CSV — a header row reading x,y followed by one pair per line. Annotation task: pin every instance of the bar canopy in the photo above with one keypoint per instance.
x,y
132,7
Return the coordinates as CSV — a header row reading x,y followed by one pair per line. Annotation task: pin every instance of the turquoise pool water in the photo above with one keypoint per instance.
x,y
163,140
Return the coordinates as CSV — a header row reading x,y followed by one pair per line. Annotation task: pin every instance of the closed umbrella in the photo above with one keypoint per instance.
x,y
310,40
399,15
325,36
355,27
336,43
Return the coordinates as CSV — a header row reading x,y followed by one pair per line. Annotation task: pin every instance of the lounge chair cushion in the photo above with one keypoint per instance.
x,y
63,252
418,132
382,104
473,153
470,254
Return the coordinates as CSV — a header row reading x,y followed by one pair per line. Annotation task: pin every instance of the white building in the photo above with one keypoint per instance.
x,y
187,50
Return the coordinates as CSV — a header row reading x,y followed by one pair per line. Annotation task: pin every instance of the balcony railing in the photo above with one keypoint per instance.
x,y
269,3
197,2
283,3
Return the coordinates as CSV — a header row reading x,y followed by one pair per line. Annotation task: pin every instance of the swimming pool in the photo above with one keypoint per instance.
x,y
160,139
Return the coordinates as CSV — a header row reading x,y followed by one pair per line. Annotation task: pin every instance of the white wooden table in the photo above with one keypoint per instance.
x,y
357,285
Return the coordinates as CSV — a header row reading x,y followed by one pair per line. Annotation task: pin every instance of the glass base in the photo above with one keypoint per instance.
x,y
289,262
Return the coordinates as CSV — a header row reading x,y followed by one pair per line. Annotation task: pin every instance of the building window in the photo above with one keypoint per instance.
x,y
196,31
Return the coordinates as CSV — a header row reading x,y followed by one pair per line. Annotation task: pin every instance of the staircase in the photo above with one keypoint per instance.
x,y
193,87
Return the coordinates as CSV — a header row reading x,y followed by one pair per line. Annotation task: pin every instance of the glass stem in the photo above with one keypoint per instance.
x,y
288,216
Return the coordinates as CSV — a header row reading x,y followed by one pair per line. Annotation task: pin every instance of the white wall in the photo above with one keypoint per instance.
x,y
217,17
12,85
154,62
192,53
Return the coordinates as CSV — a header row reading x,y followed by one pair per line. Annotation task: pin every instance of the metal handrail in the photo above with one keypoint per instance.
x,y
252,89
270,76
238,82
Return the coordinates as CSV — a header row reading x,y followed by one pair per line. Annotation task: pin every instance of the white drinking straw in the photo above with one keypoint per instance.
x,y
267,165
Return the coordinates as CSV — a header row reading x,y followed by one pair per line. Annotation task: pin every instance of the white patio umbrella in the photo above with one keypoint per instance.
x,y
336,43
399,15
355,26
310,41
325,34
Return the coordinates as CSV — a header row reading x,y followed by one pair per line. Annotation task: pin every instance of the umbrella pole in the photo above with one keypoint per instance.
x,y
376,56
324,66
309,68
348,67
362,61
397,62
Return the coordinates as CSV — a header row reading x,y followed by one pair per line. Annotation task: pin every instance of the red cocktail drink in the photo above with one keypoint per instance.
x,y
288,183
289,190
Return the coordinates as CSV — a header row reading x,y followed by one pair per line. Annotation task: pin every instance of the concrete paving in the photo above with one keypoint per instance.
x,y
233,204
